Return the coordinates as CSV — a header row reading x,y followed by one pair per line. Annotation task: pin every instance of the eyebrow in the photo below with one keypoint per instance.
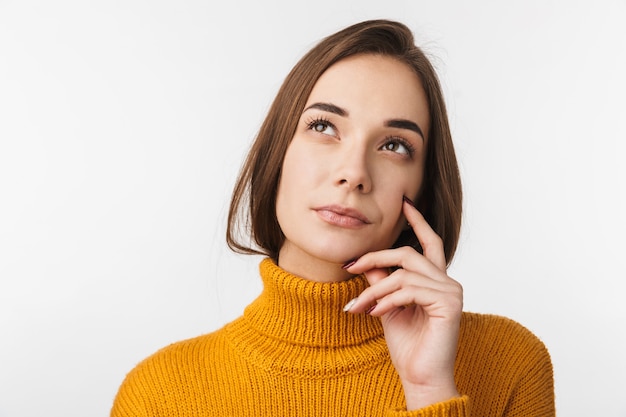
x,y
395,123
405,124
331,108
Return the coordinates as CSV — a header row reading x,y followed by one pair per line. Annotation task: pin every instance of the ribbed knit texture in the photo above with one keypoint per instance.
x,y
295,352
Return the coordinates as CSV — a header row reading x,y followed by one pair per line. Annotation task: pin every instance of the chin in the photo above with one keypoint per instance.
x,y
340,253
333,251
337,247
339,257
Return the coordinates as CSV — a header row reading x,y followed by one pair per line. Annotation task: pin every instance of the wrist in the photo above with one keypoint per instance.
x,y
422,396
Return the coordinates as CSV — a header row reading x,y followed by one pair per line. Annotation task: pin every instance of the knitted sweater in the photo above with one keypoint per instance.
x,y
294,352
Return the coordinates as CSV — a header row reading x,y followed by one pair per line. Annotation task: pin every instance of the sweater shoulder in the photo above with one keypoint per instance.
x,y
167,371
492,337
183,353
475,325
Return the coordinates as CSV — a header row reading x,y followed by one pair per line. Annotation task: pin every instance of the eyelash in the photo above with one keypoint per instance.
x,y
389,139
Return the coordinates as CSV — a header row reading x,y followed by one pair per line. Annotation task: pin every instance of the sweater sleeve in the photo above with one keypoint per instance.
x,y
457,407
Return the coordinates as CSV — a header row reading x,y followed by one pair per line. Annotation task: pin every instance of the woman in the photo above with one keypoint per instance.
x,y
358,315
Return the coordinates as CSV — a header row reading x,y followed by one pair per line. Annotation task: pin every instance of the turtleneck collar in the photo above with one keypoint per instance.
x,y
298,327
304,312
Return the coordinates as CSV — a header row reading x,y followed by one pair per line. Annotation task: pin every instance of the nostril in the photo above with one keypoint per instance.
x,y
359,186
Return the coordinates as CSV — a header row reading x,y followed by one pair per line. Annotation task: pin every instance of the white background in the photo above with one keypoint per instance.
x,y
123,125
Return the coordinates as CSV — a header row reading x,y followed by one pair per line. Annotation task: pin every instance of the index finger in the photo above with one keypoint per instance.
x,y
431,242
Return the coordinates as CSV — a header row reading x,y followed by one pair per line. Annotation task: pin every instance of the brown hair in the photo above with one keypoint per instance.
x,y
252,211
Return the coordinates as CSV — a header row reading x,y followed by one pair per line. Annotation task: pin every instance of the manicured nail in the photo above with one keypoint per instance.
x,y
408,200
348,306
369,310
349,264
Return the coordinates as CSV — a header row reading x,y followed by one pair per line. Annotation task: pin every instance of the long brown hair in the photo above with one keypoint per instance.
x,y
252,213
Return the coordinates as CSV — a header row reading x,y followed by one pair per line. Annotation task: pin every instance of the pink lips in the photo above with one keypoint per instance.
x,y
342,216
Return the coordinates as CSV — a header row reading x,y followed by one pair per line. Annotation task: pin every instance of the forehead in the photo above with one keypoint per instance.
x,y
373,86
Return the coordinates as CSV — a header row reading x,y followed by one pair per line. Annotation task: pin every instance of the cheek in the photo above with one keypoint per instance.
x,y
303,169
290,172
395,188
391,205
285,187
299,175
413,189
403,183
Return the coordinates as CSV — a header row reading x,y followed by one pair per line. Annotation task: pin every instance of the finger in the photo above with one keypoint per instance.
x,y
405,257
436,304
359,304
396,281
431,242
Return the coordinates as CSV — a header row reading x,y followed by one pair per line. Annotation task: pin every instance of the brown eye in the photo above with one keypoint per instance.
x,y
319,127
322,126
391,146
397,146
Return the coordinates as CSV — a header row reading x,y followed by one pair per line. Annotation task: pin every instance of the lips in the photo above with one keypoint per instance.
x,y
342,216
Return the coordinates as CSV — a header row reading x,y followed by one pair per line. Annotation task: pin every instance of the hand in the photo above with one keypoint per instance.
x,y
420,308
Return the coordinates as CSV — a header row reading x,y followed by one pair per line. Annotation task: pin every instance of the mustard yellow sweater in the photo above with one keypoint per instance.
x,y
294,352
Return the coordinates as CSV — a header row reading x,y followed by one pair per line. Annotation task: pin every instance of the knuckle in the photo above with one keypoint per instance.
x,y
406,251
457,285
458,291
403,276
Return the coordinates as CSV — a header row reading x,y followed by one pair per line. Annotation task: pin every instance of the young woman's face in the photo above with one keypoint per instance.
x,y
359,147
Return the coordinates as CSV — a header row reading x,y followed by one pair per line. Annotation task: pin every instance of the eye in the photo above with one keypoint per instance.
x,y
398,145
322,126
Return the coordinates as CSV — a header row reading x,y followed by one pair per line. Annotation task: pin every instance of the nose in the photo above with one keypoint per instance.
x,y
353,171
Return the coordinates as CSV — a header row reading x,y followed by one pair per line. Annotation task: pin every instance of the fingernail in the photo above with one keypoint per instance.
x,y
348,306
408,200
369,310
349,263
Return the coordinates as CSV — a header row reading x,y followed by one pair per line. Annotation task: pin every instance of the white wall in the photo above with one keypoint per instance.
x,y
123,124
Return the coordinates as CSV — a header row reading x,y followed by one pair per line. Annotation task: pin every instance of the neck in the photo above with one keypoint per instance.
x,y
310,267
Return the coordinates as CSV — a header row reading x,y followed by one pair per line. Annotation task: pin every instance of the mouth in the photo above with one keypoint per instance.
x,y
342,216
